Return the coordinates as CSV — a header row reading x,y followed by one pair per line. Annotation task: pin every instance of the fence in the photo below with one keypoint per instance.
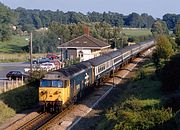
x,y
6,85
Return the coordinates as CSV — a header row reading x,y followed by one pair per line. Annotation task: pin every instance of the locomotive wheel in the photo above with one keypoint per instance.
x,y
57,108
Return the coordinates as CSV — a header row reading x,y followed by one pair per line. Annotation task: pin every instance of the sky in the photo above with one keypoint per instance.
x,y
156,8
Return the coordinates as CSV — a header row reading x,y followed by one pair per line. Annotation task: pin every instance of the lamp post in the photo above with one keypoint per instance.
x,y
61,48
113,75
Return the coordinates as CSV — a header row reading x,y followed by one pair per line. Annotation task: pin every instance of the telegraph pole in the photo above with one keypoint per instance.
x,y
30,52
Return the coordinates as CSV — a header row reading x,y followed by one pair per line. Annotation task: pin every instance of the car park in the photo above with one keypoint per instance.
x,y
16,74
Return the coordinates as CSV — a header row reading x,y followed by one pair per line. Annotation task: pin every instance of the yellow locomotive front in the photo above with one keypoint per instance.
x,y
53,94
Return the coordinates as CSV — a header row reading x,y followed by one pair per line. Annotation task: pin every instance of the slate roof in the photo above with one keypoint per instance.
x,y
85,41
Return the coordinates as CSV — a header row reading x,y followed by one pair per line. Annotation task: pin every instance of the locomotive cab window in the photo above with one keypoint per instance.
x,y
51,83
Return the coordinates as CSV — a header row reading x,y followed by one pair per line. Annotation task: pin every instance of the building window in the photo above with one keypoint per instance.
x,y
80,54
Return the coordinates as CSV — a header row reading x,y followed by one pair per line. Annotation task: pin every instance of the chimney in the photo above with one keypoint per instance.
x,y
86,30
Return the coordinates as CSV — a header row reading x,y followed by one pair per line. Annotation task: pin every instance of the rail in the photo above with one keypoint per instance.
x,y
38,121
56,118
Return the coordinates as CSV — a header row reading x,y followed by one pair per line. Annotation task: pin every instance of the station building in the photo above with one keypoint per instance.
x,y
83,47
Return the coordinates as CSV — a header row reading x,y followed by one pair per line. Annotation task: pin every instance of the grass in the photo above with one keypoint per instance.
x,y
137,32
18,57
16,101
14,45
11,51
5,112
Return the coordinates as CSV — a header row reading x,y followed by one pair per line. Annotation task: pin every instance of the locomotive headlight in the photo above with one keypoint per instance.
x,y
43,92
50,92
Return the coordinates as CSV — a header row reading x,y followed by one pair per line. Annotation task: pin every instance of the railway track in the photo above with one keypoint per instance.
x,y
56,118
37,122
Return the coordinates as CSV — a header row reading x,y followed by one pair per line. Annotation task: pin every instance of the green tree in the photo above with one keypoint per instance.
x,y
170,74
5,32
177,33
134,20
162,52
159,27
7,19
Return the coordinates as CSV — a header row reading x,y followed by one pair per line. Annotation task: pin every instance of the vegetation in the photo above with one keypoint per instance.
x,y
170,74
171,20
5,112
67,26
162,52
21,98
15,45
7,19
31,19
138,114
18,57
177,33
17,100
159,28
137,32
141,105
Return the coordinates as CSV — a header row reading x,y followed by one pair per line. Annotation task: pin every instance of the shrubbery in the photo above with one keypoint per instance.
x,y
21,98
138,114
35,77
170,74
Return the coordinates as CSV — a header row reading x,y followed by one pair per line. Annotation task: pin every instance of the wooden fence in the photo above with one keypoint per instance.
x,y
6,85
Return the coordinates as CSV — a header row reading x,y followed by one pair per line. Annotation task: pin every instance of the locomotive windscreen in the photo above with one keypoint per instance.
x,y
51,83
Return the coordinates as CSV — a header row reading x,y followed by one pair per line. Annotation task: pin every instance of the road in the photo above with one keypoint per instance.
x,y
6,67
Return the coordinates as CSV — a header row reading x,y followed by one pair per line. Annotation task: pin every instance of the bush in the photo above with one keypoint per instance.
x,y
177,118
170,74
21,98
36,76
138,114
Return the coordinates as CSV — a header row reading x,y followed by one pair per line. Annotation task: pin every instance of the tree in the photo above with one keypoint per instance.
x,y
177,32
159,27
134,20
5,32
162,52
7,19
170,74
147,20
171,20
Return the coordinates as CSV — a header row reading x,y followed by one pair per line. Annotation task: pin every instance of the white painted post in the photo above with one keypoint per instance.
x,y
22,81
5,86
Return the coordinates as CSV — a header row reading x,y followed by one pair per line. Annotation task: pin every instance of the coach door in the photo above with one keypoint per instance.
x,y
93,74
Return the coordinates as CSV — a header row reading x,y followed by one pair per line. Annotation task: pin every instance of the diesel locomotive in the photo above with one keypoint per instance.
x,y
62,87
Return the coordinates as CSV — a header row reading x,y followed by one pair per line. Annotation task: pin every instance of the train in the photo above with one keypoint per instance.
x,y
65,86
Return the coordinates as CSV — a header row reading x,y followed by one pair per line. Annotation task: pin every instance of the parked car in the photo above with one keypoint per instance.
x,y
48,66
34,68
16,74
52,56
41,60
57,63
